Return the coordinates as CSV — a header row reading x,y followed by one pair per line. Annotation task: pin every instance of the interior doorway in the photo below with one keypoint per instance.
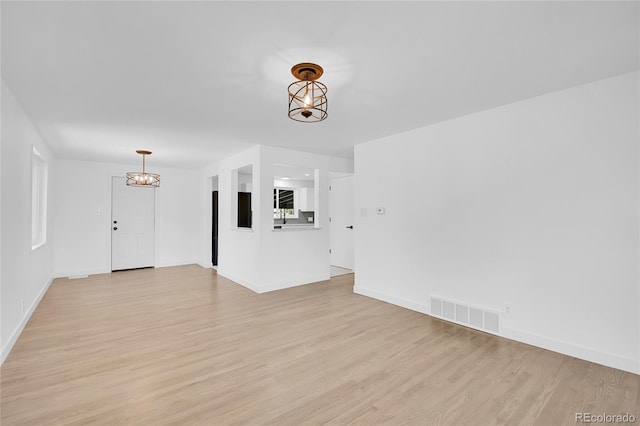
x,y
132,226
342,222
215,219
214,228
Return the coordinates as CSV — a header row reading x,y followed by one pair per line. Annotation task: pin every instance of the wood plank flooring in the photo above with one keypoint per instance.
x,y
183,346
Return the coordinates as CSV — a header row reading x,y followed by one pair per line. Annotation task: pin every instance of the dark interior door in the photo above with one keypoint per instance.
x,y
244,210
214,228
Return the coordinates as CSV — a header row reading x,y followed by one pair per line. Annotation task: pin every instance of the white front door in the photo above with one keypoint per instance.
x,y
132,226
342,220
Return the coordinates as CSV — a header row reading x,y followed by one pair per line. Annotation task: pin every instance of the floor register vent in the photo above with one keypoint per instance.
x,y
470,316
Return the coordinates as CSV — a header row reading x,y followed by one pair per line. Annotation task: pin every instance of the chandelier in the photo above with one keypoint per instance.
x,y
144,179
307,97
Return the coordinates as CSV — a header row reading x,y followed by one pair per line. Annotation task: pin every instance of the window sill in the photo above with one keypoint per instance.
x,y
242,229
294,227
37,246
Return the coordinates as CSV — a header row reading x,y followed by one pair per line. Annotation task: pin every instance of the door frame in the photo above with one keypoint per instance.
x,y
331,211
155,227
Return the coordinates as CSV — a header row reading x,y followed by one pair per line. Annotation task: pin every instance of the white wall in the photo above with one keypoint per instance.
x,y
533,204
238,248
261,258
25,274
291,257
83,216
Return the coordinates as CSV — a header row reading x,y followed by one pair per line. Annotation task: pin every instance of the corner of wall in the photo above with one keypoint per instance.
x,y
240,280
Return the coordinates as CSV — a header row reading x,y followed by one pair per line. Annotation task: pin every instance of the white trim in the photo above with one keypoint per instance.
x,y
405,303
599,357
296,283
75,273
176,263
82,272
37,246
592,355
25,319
272,287
238,280
205,265
39,198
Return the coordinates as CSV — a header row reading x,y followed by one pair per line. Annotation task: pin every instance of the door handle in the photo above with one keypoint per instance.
x,y
350,227
115,228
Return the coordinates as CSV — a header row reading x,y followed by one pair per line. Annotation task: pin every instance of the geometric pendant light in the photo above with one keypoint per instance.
x,y
143,179
307,97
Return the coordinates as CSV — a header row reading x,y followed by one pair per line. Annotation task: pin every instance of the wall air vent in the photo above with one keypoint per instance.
x,y
476,317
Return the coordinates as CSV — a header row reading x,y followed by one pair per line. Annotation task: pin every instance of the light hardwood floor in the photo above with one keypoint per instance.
x,y
184,346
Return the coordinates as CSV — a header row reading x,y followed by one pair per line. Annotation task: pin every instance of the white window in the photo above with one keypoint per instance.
x,y
284,203
38,199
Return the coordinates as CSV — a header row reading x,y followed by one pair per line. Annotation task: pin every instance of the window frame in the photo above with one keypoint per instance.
x,y
276,200
39,196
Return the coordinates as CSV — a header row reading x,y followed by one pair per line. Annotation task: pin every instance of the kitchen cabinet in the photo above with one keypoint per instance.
x,y
306,199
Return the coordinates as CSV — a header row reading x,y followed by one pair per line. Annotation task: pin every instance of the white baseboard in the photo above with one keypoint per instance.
x,y
271,287
405,303
25,319
176,263
239,280
82,272
296,283
598,357
205,265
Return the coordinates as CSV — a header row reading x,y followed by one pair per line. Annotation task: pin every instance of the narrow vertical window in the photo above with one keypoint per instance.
x,y
38,199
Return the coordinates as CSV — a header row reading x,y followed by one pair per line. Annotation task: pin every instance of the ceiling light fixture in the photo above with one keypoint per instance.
x,y
144,179
307,97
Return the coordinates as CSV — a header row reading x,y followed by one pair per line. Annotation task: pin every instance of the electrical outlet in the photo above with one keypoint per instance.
x,y
507,310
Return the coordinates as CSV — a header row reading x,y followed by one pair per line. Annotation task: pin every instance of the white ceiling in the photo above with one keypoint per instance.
x,y
197,81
